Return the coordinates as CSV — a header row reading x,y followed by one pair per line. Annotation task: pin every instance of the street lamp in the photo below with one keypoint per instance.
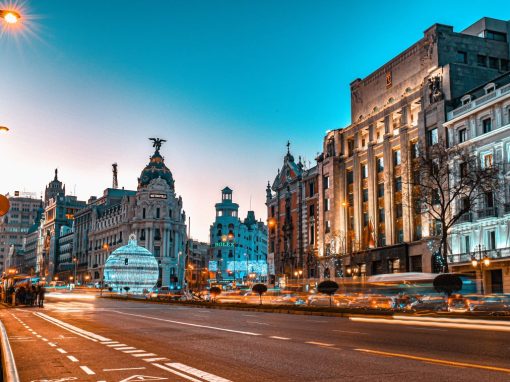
x,y
106,247
4,129
9,16
480,263
75,261
231,238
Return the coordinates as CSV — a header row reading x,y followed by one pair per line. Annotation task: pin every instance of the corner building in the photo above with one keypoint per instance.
x,y
367,223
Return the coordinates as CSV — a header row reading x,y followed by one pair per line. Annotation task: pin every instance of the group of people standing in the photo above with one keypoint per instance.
x,y
30,295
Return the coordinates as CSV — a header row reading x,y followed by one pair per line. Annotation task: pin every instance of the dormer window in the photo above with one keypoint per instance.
x,y
489,88
466,99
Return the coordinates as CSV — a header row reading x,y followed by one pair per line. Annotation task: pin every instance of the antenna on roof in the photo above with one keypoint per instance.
x,y
250,202
115,180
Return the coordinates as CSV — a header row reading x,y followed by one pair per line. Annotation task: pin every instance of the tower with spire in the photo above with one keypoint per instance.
x,y
54,188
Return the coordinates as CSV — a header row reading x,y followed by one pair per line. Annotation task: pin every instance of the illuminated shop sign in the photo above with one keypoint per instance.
x,y
157,196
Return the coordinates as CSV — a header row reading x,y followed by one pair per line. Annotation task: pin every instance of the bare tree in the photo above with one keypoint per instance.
x,y
447,183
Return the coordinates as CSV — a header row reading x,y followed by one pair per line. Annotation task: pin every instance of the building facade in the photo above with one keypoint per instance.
x,y
25,210
238,249
153,213
367,223
292,209
481,125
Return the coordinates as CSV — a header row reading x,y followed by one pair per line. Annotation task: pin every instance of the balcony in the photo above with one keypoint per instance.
x,y
478,102
488,212
465,218
492,254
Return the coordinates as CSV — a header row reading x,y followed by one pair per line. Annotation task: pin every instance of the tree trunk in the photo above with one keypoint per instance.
x,y
444,250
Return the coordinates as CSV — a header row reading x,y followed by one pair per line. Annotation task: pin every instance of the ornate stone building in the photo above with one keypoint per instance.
x,y
292,210
480,124
367,223
154,213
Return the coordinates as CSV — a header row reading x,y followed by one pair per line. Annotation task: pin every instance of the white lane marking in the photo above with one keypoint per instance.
x,y
250,315
197,373
52,344
87,370
258,323
134,351
190,324
279,338
125,348
348,331
155,359
60,350
126,368
72,358
116,345
109,342
318,343
72,328
176,372
430,323
434,329
45,339
143,355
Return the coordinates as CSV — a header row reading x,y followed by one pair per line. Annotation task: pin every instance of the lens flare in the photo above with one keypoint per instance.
x,y
10,17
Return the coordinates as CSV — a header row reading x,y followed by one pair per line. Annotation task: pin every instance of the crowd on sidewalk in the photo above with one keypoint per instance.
x,y
28,295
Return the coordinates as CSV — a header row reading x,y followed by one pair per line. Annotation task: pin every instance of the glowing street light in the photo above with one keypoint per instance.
x,y
4,129
9,16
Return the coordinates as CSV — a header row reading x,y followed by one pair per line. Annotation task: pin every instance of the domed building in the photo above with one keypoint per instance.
x,y
153,213
133,267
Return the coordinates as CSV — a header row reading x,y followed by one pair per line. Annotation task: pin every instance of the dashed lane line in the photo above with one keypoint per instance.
x,y
72,358
197,373
134,351
156,359
116,345
60,350
143,355
125,348
87,370
319,343
126,368
52,344
279,338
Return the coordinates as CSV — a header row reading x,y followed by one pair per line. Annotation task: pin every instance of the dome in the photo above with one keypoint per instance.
x,y
131,266
155,169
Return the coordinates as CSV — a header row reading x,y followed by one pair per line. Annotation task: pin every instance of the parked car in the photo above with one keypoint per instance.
x,y
429,303
491,304
457,304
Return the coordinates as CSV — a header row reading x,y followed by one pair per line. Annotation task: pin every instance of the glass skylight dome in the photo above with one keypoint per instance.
x,y
131,266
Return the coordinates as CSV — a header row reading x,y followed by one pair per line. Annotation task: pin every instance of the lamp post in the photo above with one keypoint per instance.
x,y
75,261
101,286
231,238
479,263
9,16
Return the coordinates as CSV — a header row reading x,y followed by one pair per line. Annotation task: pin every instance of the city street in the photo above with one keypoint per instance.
x,y
83,338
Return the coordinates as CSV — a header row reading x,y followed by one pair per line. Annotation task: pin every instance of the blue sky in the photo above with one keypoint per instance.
x,y
85,83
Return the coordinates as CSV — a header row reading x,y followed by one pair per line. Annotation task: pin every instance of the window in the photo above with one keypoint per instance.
x,y
365,195
365,218
325,182
504,65
350,147
462,134
381,237
416,264
350,177
467,244
461,57
414,150
487,160
326,205
312,210
328,226
489,199
364,171
157,213
491,240
380,164
487,125
350,200
312,234
437,227
311,190
417,233
381,215
397,160
462,169
380,190
432,137
400,236
143,213
498,36
481,60
493,63
398,184
398,210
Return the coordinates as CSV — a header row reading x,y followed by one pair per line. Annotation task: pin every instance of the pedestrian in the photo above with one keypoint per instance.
x,y
28,296
41,293
34,295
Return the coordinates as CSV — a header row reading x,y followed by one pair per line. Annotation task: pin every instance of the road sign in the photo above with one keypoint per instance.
x,y
142,378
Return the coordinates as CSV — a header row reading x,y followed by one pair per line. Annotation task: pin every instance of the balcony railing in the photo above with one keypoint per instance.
x,y
465,218
492,254
488,212
478,102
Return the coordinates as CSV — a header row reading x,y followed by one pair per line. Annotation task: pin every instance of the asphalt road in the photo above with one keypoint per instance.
x,y
81,338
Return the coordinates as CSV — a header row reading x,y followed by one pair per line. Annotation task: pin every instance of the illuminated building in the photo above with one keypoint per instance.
x,y
481,124
131,268
292,202
238,248
367,222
